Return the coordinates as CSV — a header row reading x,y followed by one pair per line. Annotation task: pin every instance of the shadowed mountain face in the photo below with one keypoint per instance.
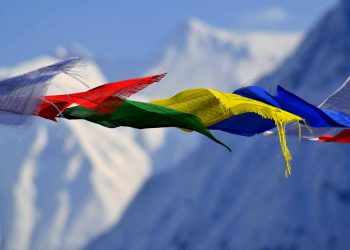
x,y
218,200
322,62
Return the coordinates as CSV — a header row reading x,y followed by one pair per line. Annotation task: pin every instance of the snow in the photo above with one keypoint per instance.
x,y
25,195
217,200
201,55
71,180
63,184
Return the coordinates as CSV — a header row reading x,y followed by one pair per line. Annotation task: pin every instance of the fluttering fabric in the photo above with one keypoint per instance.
x,y
212,107
21,95
141,115
314,116
248,111
99,98
249,124
339,100
319,120
342,137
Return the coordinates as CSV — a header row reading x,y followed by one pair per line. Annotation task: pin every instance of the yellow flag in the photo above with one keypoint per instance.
x,y
213,106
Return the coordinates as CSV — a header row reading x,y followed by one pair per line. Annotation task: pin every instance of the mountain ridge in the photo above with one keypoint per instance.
x,y
58,178
215,200
76,178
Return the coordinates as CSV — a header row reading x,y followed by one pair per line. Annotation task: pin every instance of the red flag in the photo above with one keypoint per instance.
x,y
105,98
342,137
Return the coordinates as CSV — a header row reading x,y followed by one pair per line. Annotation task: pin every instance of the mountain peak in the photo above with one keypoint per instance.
x,y
72,50
245,195
196,24
199,26
238,56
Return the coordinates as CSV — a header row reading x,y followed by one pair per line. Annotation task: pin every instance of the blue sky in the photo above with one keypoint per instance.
x,y
134,29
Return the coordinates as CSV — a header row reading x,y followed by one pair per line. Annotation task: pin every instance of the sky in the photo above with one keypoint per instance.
x,y
135,29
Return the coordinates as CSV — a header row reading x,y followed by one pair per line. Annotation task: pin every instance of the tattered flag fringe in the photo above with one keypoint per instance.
x,y
22,94
105,98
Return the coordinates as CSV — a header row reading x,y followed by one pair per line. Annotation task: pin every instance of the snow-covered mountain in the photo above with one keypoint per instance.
x,y
200,55
63,184
112,68
218,200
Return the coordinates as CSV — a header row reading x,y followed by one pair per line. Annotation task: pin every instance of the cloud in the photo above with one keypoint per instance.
x,y
274,14
268,17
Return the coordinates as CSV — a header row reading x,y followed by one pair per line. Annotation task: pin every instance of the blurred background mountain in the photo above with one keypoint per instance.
x,y
214,200
73,185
